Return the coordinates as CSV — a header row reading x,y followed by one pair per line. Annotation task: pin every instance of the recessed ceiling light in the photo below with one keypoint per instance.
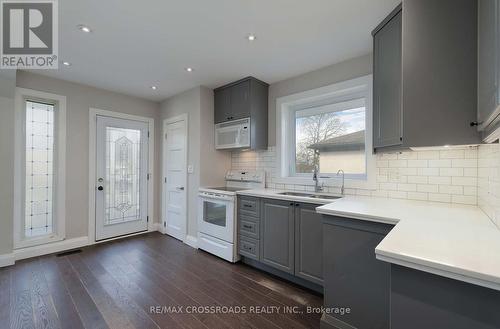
x,y
154,87
84,28
251,37
66,63
189,69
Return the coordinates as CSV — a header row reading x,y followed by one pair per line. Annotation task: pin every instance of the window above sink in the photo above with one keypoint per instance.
x,y
329,128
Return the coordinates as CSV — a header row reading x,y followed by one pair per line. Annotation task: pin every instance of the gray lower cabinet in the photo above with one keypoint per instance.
x,y
285,238
353,277
308,243
277,234
249,227
423,300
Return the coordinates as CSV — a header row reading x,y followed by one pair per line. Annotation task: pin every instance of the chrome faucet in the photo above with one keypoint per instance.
x,y
317,187
343,175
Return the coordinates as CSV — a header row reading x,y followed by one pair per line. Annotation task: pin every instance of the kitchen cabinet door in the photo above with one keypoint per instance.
x,y
308,243
488,62
352,275
277,234
222,104
387,109
240,100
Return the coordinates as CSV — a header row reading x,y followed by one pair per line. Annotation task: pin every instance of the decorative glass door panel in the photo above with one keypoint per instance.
x,y
123,149
121,187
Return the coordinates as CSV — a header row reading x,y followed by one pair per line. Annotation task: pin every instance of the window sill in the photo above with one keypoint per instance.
x,y
368,184
32,242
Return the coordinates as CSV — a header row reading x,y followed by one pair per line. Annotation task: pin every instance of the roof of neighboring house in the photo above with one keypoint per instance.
x,y
349,142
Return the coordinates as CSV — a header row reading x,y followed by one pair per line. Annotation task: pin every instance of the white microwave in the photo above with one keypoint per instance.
x,y
232,134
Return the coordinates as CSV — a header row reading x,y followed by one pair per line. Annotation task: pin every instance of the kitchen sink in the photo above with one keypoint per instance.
x,y
304,195
323,196
310,195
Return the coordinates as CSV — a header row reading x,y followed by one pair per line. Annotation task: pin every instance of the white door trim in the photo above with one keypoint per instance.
x,y
182,117
93,113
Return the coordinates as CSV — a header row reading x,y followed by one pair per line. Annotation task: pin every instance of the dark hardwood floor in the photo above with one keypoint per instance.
x,y
130,283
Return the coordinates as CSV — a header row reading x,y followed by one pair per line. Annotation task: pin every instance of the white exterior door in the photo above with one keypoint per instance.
x,y
175,180
122,177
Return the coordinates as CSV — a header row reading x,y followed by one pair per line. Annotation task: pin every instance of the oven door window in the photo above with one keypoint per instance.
x,y
214,213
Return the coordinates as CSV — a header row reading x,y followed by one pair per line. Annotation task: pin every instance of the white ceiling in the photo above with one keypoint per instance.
x,y
136,44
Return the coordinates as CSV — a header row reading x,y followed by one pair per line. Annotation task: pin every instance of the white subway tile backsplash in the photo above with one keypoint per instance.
x,y
433,175
440,197
428,188
466,181
428,155
451,172
418,163
428,171
442,163
488,187
452,154
419,196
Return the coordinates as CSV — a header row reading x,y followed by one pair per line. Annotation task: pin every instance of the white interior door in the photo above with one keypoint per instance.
x,y
122,177
175,180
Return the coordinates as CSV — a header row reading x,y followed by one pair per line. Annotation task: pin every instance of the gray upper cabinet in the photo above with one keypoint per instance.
x,y
240,100
277,234
308,243
222,102
246,98
438,86
387,110
488,93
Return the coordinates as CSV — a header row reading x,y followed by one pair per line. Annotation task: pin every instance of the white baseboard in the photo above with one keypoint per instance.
x,y
50,248
59,246
191,241
7,260
160,228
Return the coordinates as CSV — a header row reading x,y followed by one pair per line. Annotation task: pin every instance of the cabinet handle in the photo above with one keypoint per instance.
x,y
297,205
475,123
247,226
247,206
291,203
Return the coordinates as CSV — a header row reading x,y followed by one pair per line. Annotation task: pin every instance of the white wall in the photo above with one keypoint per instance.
x,y
79,99
198,104
346,70
216,162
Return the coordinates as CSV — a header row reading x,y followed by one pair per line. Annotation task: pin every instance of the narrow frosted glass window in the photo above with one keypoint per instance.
x,y
39,179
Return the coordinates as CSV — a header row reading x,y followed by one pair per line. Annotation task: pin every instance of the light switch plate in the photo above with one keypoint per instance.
x,y
190,169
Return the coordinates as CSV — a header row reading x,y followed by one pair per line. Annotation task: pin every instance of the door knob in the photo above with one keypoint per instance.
x,y
100,188
181,188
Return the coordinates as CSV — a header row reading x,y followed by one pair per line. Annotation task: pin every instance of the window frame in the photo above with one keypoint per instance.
x,y
59,168
286,107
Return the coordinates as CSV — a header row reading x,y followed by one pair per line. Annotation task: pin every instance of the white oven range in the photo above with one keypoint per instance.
x,y
217,219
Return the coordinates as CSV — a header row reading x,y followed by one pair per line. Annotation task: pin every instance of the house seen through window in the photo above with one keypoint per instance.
x,y
331,137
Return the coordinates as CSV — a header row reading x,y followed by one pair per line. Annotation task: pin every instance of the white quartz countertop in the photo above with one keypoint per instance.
x,y
455,241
